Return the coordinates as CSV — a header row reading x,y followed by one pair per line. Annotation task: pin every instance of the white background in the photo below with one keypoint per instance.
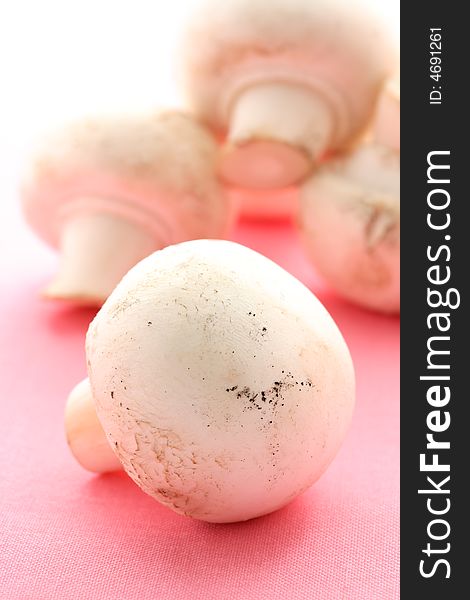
x,y
63,58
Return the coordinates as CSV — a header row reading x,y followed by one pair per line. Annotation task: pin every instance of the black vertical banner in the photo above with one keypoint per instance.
x,y
435,330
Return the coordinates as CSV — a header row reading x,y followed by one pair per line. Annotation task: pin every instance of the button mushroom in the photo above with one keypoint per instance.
x,y
108,192
221,383
350,216
285,80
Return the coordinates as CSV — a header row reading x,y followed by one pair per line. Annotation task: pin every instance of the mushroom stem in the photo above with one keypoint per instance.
x,y
97,249
270,142
85,435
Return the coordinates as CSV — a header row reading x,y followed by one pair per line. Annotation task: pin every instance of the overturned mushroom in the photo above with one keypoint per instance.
x,y
350,216
221,383
284,80
108,192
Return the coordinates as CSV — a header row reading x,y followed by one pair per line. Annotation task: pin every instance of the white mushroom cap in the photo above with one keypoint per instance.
x,y
223,385
288,79
350,225
109,191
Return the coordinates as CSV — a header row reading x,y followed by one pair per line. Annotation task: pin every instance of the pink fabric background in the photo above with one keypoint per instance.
x,y
66,534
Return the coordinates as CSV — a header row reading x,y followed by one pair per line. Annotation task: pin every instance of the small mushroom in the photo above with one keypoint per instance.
x,y
85,435
350,216
108,192
221,383
285,81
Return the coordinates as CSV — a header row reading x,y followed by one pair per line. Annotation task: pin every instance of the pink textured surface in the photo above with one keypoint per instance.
x,y
66,534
